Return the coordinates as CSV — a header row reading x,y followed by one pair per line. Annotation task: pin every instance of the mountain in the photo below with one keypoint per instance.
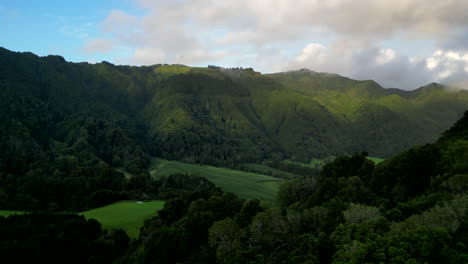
x,y
77,135
210,115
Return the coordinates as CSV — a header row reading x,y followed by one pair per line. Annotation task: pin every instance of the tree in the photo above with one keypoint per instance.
x,y
271,233
358,213
225,235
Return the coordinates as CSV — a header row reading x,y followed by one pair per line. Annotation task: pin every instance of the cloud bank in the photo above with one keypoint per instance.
x,y
362,39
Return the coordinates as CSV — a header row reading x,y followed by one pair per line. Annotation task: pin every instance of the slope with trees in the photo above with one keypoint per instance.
x,y
411,208
75,136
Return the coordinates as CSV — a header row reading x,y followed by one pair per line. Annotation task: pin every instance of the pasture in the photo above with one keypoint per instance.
x,y
246,185
126,215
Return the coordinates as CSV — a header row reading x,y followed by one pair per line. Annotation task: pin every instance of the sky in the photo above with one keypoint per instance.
x,y
398,43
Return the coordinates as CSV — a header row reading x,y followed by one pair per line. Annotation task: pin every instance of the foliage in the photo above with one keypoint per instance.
x,y
79,136
339,215
208,115
55,238
357,213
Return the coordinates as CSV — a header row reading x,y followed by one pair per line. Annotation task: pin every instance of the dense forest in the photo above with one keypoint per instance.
x,y
411,208
75,136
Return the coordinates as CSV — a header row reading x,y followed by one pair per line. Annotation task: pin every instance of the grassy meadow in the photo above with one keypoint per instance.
x,y
127,215
375,160
9,212
246,185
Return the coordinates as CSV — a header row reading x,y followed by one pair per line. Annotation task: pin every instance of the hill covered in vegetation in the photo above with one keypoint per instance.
x,y
213,115
411,208
75,136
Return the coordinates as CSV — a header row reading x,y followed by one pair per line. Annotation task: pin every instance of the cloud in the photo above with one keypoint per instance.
x,y
390,69
363,62
98,45
341,36
314,51
147,56
277,18
458,41
449,67
385,56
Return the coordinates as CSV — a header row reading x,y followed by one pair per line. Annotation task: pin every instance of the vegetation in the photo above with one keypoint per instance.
x,y
126,215
208,115
74,137
246,185
9,212
410,208
267,170
55,238
375,160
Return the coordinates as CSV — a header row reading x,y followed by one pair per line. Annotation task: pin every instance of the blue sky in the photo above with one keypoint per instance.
x,y
400,43
55,27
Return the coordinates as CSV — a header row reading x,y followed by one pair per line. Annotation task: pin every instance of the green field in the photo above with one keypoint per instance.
x,y
375,160
8,212
246,185
264,169
127,215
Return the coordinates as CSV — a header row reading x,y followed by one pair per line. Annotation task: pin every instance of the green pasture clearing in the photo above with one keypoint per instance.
x,y
246,185
9,212
126,215
375,160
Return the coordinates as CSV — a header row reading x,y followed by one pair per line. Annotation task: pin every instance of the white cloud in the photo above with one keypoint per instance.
x,y
385,56
98,45
386,66
431,63
363,62
147,56
313,51
449,67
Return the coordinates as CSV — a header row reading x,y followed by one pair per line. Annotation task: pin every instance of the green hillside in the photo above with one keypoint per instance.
x,y
246,185
380,121
126,215
9,212
410,208
264,169
65,127
376,160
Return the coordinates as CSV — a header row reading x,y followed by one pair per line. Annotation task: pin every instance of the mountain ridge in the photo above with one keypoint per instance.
x,y
180,112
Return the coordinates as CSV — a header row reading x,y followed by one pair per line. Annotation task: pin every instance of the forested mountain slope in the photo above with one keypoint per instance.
x,y
411,208
65,123
75,136
221,116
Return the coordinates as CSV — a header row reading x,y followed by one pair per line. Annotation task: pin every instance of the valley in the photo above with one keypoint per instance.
x,y
171,163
